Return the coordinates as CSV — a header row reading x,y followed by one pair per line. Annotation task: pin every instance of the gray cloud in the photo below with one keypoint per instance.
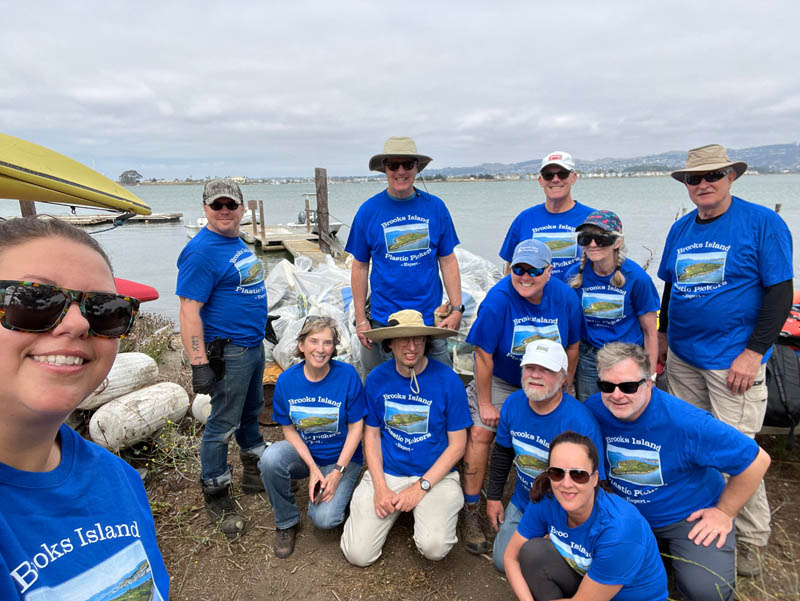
x,y
195,88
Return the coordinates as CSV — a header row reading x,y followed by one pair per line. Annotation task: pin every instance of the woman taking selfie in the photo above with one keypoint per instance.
x,y
75,519
320,406
578,541
618,299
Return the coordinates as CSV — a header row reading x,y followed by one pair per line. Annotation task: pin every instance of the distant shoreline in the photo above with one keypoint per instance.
x,y
373,179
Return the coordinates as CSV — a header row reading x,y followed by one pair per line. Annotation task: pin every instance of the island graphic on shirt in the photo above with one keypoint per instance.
x,y
530,460
700,268
314,420
126,575
402,238
577,562
637,466
603,306
562,244
411,419
251,270
523,334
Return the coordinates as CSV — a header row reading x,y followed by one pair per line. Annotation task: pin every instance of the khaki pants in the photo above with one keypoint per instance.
x,y
435,519
706,389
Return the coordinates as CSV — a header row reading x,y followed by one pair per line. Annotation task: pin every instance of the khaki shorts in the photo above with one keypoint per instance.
x,y
500,391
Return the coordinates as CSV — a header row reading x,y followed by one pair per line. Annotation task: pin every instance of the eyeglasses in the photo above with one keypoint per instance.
x,y
601,239
534,272
34,307
395,165
549,175
556,474
625,387
229,204
694,179
407,340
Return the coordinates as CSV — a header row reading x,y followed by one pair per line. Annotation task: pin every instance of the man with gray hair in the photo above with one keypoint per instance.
x,y
666,456
552,222
727,271
529,420
223,315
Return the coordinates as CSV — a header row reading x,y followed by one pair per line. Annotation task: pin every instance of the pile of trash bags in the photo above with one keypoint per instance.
x,y
295,290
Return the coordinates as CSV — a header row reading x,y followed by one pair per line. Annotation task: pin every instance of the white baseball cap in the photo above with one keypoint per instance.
x,y
547,353
558,157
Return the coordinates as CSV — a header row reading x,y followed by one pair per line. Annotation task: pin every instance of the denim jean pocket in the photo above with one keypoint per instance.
x,y
232,351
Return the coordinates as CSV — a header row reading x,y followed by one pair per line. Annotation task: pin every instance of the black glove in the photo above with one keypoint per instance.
x,y
269,331
203,379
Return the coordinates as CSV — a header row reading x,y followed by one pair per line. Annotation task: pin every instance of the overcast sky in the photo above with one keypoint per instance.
x,y
178,89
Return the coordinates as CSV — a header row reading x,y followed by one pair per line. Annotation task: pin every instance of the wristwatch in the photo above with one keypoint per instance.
x,y
424,484
460,309
339,468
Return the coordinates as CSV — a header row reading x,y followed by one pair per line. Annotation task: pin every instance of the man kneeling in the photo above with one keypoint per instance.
x,y
415,433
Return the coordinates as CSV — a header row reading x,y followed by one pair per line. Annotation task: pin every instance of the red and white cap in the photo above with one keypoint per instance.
x,y
560,158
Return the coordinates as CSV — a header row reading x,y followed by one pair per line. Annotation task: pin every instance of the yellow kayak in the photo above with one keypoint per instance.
x,y
32,172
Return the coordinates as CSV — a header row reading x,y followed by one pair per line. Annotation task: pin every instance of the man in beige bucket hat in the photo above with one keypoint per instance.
x,y
415,433
727,271
407,235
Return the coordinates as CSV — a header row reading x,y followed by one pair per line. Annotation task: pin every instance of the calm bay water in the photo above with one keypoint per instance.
x,y
482,212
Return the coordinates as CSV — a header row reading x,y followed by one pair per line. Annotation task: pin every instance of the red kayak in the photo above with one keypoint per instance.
x,y
141,292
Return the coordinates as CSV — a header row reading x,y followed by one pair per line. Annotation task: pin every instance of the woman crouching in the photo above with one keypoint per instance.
x,y
578,541
74,519
321,407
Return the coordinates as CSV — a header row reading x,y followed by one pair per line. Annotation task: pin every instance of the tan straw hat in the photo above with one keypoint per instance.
x,y
398,147
406,324
708,158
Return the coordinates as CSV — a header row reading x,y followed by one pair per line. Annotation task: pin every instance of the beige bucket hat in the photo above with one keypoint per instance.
x,y
398,146
708,158
407,323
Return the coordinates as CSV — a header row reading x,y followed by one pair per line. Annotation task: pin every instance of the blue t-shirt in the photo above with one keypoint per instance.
x,y
529,434
404,240
321,411
614,546
557,230
668,461
506,322
82,529
413,426
718,272
611,314
224,275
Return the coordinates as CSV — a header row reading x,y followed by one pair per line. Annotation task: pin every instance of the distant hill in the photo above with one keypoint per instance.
x,y
776,158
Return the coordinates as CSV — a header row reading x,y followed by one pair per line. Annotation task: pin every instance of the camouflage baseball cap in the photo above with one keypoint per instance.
x,y
604,219
222,188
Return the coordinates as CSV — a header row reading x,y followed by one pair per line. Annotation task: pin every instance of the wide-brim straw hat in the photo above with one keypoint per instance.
x,y
406,324
708,158
398,146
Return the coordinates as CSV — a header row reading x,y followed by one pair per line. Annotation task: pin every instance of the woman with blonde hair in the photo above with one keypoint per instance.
x,y
618,299
320,405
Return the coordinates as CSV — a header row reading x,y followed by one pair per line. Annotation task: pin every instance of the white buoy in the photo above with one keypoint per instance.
x,y
201,407
135,416
130,372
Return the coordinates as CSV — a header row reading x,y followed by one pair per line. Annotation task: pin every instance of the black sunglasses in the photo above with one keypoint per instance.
x,y
534,272
229,204
34,307
601,239
556,474
395,165
694,179
549,175
625,387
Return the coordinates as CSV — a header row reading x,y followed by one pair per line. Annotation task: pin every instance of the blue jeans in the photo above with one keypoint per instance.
x,y
372,358
586,382
236,402
280,464
511,519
